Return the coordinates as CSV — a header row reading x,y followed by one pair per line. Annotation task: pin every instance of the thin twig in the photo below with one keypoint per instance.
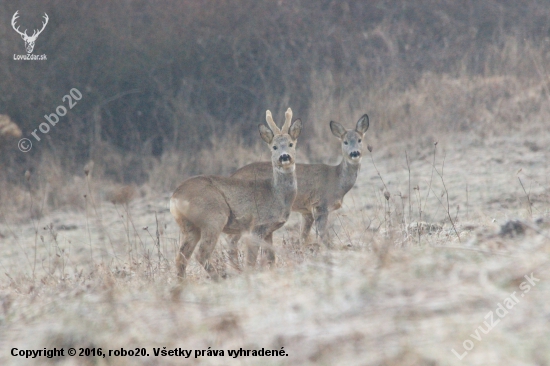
x,y
528,199
379,175
431,178
409,170
448,209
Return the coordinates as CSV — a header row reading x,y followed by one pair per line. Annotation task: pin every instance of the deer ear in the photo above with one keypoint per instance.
x,y
295,129
337,129
362,124
266,134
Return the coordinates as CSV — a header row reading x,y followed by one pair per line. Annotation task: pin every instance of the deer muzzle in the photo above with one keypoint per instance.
x,y
355,154
285,159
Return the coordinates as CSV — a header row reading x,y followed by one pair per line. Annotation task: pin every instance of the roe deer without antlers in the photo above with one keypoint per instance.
x,y
206,206
321,188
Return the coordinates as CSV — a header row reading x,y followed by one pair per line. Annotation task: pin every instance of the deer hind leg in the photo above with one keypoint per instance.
x,y
192,236
307,223
207,243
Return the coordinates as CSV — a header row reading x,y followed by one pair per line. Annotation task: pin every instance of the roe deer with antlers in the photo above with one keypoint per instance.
x,y
206,206
321,188
29,40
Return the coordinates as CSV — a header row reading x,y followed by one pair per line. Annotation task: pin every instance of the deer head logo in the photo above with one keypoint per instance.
x,y
29,40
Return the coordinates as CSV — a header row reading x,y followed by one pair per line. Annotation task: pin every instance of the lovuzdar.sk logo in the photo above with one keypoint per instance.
x,y
29,40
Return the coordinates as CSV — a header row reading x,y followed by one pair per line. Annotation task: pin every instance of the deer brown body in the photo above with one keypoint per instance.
x,y
321,187
206,206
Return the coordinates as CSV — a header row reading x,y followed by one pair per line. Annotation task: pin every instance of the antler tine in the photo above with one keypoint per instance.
x,y
13,20
46,18
288,119
271,123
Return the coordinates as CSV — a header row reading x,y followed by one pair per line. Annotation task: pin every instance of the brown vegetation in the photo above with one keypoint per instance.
x,y
151,74
448,214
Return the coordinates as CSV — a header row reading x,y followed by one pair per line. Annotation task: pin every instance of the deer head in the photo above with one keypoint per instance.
x,y
282,141
29,40
351,139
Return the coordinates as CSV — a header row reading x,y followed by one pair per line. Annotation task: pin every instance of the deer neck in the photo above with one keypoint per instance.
x,y
285,185
347,174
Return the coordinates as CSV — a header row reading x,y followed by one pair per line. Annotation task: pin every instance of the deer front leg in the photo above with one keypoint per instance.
x,y
260,234
270,253
321,221
252,249
307,223
234,249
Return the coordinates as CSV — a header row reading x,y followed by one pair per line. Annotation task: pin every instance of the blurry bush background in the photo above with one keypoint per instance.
x,y
181,85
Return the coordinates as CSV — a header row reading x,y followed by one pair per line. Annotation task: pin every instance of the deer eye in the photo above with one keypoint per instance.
x,y
274,147
345,142
359,140
290,144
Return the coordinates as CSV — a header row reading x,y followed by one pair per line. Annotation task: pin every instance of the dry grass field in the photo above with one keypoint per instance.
x,y
440,254
409,279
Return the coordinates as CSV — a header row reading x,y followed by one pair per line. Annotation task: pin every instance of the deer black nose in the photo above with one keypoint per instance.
x,y
355,154
284,157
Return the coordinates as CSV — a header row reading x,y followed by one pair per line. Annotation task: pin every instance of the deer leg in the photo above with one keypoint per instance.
x,y
307,223
234,249
270,253
207,243
252,249
192,236
259,233
321,221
